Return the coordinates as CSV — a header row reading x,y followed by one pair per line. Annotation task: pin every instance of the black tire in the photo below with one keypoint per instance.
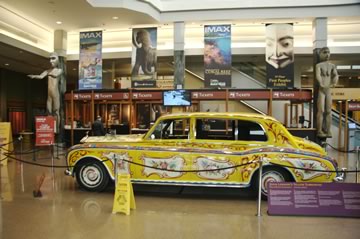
x,y
92,176
270,174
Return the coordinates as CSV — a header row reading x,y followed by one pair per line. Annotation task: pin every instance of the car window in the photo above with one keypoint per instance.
x,y
250,131
171,129
215,129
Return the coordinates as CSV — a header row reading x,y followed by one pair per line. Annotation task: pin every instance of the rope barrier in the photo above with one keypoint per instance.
x,y
191,171
342,151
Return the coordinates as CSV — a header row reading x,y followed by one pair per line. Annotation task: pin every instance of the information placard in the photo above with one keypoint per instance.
x,y
314,199
45,126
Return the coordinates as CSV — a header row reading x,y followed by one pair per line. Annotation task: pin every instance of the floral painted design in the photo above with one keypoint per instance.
x,y
277,132
208,163
308,165
172,163
122,158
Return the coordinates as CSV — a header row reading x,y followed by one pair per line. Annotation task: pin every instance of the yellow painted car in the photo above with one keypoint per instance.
x,y
189,149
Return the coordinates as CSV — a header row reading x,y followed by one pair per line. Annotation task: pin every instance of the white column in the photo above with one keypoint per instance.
x,y
319,33
60,42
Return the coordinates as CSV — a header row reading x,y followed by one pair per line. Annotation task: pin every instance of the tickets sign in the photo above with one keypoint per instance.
x,y
45,126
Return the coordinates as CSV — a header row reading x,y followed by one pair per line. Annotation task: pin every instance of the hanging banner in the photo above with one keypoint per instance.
x,y
143,60
217,56
280,55
90,60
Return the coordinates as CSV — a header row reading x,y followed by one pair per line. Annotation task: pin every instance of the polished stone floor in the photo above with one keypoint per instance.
x,y
64,211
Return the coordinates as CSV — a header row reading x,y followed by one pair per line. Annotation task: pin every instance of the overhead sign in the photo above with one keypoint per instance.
x,y
217,56
208,95
45,126
156,95
279,55
111,96
345,93
144,58
354,106
314,199
292,95
90,60
82,96
249,95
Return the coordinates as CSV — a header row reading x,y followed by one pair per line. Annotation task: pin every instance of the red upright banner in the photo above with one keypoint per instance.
x,y
45,126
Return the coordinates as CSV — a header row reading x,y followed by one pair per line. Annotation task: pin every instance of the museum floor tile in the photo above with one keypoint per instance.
x,y
65,211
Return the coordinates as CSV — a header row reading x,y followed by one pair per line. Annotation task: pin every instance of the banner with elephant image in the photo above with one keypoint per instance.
x,y
90,60
144,59
280,55
217,56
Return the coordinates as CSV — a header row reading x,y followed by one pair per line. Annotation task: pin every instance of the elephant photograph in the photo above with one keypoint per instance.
x,y
144,42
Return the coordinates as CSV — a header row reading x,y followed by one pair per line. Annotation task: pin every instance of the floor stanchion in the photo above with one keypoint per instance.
x,y
357,163
260,188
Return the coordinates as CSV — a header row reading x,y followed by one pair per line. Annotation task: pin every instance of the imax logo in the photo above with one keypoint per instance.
x,y
211,29
90,35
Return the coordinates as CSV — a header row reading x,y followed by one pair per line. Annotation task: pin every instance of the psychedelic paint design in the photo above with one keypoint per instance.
x,y
217,56
280,56
90,61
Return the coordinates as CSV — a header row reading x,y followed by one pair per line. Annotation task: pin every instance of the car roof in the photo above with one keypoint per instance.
x,y
222,114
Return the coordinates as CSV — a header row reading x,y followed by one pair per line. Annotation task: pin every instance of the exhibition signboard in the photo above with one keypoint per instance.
x,y
144,58
90,60
217,56
45,126
314,199
279,56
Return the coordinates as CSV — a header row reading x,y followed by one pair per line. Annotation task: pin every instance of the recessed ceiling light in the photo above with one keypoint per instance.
x,y
59,22
115,18
7,64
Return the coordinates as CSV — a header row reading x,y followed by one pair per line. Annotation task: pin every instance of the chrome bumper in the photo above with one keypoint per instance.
x,y
68,172
340,176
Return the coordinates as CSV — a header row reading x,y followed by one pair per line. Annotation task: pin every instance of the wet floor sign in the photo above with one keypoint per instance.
x,y
124,195
5,141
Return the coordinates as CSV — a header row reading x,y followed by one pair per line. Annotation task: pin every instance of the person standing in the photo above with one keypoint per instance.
x,y
326,77
98,127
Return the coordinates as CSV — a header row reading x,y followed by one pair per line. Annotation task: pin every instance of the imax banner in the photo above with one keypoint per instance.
x,y
217,56
90,60
280,55
143,60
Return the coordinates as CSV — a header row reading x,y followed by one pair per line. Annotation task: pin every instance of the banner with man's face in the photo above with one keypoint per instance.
x,y
280,55
144,59
217,56
90,60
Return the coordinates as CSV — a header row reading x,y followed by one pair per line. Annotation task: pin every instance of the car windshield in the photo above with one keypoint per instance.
x,y
171,129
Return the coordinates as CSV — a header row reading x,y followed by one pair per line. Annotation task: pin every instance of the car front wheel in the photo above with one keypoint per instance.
x,y
91,175
271,174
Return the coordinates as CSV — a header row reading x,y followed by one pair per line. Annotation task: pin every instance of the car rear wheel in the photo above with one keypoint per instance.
x,y
91,175
271,174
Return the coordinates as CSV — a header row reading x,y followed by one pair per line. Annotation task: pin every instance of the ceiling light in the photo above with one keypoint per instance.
x,y
7,64
115,18
59,22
